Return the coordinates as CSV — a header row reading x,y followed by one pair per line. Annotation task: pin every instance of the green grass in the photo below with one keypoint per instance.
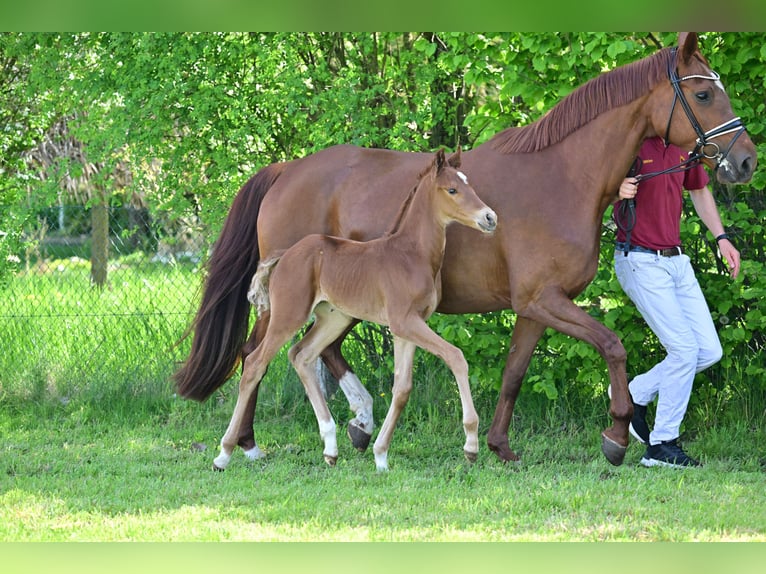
x,y
81,473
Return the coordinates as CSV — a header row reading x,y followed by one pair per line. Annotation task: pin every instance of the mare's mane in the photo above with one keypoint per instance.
x,y
605,92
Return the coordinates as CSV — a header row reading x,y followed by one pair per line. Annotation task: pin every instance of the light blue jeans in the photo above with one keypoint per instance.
x,y
668,296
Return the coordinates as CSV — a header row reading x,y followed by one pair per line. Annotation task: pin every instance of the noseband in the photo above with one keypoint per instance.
x,y
704,148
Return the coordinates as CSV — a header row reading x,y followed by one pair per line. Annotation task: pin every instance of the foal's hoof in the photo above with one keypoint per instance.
x,y
614,452
330,460
471,456
359,437
217,468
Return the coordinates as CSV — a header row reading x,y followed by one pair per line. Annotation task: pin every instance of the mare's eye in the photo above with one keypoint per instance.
x,y
452,191
702,97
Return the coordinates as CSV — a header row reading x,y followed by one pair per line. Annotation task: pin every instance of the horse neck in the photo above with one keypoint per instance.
x,y
421,231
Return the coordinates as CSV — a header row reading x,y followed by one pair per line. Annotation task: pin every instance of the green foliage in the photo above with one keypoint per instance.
x,y
194,115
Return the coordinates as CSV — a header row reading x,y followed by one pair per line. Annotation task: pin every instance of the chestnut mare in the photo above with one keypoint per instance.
x,y
550,183
392,280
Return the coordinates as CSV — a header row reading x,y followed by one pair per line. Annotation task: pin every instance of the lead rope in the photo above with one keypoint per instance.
x,y
626,219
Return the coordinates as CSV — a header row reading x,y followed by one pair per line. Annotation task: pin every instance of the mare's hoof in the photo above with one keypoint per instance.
x,y
359,437
614,452
330,460
504,453
471,456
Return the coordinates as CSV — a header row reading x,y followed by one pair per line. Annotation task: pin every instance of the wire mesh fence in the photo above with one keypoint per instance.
x,y
63,333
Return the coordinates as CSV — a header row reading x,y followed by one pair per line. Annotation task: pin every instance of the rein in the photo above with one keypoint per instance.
x,y
705,148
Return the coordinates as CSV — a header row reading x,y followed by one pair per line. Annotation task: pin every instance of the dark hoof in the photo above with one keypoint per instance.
x,y
359,437
217,468
471,456
614,452
330,460
504,453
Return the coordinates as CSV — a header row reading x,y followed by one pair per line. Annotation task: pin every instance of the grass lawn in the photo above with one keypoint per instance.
x,y
83,473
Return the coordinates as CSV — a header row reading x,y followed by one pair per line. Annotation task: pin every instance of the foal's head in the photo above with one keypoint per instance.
x,y
453,199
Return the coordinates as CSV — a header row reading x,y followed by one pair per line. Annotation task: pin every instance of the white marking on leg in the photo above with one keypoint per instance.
x,y
255,453
328,434
222,460
381,461
359,400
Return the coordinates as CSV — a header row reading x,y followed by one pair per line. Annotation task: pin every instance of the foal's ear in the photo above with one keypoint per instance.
x,y
454,159
439,161
687,45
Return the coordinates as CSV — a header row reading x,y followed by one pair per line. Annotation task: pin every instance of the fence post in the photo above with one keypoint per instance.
x,y
100,240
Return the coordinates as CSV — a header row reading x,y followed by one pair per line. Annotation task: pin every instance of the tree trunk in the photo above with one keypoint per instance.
x,y
100,238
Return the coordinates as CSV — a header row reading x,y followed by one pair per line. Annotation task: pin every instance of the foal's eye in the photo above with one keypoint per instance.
x,y
452,191
702,97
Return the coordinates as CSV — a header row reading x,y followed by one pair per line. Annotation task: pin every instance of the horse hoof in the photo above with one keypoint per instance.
x,y
471,456
614,452
330,460
504,453
359,437
217,468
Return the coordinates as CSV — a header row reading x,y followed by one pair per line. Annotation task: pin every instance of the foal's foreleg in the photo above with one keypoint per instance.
x,y
418,332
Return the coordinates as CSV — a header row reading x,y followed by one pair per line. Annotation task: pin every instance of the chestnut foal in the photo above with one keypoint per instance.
x,y
393,280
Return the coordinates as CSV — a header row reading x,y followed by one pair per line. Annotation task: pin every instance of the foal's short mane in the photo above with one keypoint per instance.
x,y
603,93
406,203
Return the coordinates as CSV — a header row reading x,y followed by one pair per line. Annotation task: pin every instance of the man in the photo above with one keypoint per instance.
x,y
659,279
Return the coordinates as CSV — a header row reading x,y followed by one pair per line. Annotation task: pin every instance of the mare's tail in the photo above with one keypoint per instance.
x,y
221,324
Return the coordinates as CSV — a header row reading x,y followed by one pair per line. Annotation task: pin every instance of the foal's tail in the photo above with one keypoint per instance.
x,y
221,324
258,294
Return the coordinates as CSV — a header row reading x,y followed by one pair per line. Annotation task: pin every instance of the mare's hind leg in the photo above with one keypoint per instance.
x,y
415,330
359,399
524,339
329,324
404,352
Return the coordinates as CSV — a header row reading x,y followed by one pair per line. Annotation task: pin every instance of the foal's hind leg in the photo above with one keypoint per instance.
x,y
329,324
404,352
246,434
254,369
359,399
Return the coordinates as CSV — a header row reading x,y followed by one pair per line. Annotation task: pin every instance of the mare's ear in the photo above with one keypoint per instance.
x,y
454,159
687,45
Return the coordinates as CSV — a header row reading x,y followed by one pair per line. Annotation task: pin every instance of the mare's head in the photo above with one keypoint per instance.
x,y
453,199
694,112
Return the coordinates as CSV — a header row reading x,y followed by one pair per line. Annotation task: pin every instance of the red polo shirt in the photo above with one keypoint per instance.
x,y
659,200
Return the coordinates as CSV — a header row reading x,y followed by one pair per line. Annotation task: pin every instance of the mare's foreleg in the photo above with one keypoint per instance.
x,y
329,324
526,334
404,352
359,399
555,309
